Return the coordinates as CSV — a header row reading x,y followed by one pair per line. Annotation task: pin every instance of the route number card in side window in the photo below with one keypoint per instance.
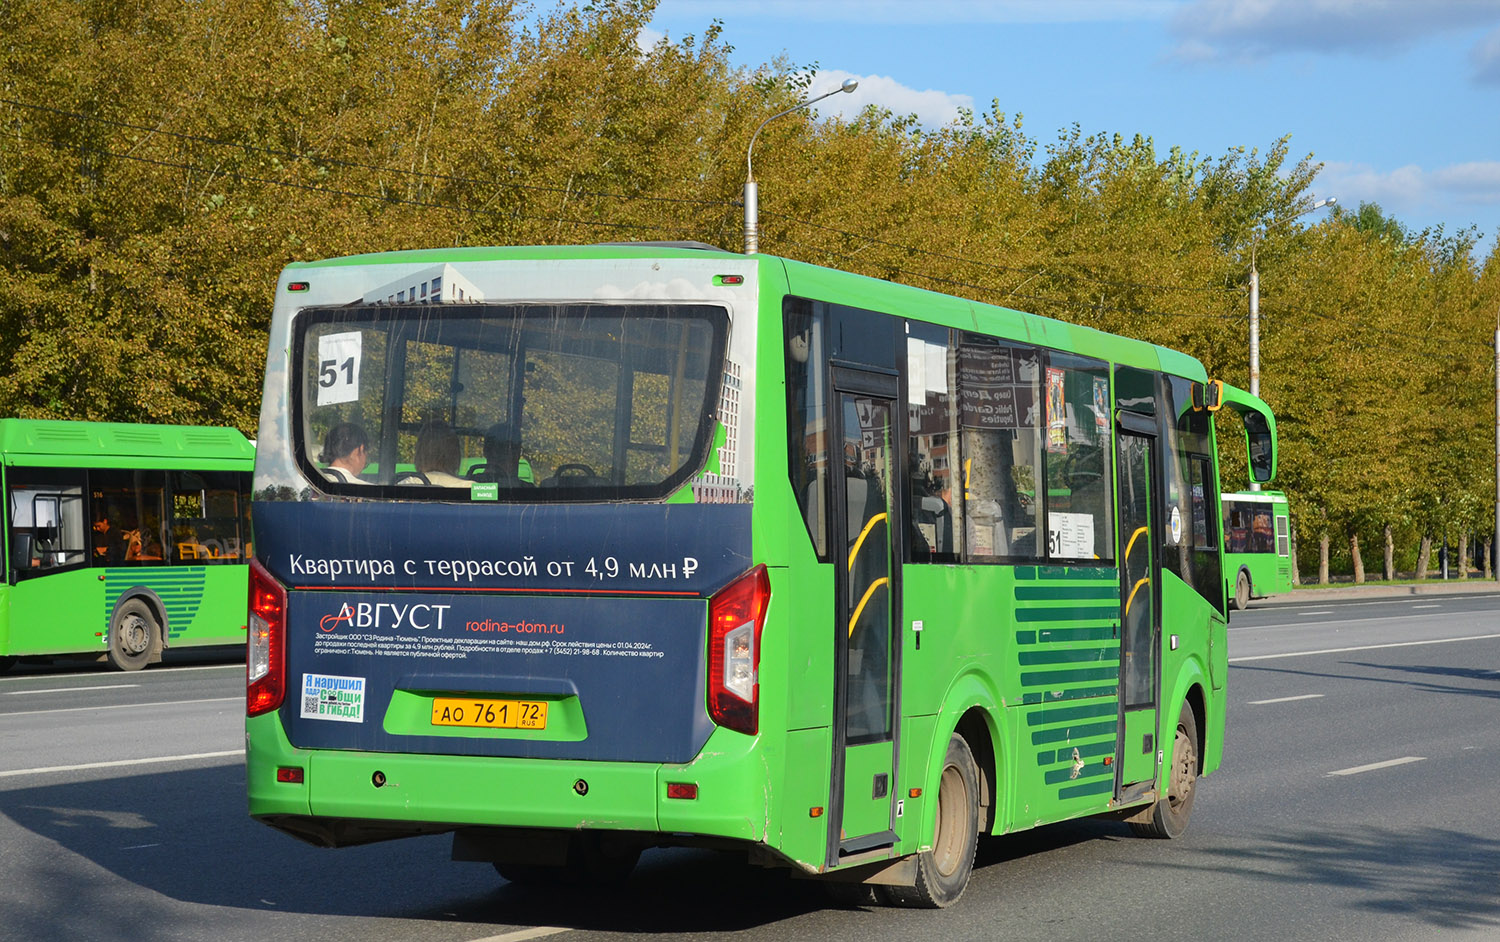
x,y
338,368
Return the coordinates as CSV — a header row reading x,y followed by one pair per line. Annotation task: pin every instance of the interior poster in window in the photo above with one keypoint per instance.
x,y
1101,404
1057,412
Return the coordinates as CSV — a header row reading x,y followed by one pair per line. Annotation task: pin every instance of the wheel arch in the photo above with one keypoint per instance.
x,y
152,601
970,710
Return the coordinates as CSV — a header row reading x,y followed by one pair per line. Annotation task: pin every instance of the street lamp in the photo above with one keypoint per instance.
x,y
752,193
1255,303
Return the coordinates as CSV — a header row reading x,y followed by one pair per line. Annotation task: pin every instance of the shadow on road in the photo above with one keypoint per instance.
x,y
1484,678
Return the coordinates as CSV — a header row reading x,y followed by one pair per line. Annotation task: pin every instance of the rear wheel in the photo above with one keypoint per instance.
x,y
1168,818
134,636
943,872
1241,599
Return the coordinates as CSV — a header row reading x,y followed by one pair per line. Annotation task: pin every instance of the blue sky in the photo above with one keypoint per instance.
x,y
1399,99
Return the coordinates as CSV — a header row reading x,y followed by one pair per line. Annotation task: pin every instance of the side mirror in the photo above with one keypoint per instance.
x,y
1261,448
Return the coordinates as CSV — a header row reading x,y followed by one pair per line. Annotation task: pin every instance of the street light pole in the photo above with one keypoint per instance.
x,y
752,191
1255,311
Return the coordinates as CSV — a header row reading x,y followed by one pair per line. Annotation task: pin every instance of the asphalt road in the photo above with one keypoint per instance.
x,y
1356,802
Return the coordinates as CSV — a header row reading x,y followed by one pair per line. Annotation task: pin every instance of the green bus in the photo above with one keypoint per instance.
x,y
1257,546
838,573
122,540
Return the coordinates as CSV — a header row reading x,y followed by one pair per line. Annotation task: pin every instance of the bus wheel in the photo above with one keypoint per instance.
x,y
132,636
1169,816
943,872
1241,600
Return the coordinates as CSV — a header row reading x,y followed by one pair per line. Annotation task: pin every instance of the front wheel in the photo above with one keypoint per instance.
x,y
1168,818
133,636
943,872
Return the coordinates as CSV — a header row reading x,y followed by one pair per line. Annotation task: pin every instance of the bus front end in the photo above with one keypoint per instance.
x,y
504,582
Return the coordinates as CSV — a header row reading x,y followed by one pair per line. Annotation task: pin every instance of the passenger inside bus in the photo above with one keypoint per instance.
x,y
345,453
114,545
437,457
502,457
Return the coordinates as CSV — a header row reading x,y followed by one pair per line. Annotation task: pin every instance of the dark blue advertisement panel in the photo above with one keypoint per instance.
x,y
614,679
551,631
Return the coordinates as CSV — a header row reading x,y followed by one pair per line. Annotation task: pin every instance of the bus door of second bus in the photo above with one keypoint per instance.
x,y
867,610
1140,603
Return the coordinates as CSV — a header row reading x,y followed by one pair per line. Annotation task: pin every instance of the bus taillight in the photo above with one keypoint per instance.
x,y
265,663
735,618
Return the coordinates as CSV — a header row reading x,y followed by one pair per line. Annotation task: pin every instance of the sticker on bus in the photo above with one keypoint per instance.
x,y
330,697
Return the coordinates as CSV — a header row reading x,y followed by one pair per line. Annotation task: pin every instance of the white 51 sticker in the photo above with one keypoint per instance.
x,y
338,368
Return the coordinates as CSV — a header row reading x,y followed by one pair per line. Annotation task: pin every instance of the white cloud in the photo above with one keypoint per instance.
x,y
1485,57
932,108
1255,29
928,12
1458,194
647,39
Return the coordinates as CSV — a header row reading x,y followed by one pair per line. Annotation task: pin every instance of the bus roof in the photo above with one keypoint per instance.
x,y
949,310
26,438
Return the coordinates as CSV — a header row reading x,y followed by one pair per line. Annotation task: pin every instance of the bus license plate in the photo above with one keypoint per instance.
x,y
490,714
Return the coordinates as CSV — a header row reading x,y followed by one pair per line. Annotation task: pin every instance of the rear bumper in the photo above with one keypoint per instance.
x,y
349,797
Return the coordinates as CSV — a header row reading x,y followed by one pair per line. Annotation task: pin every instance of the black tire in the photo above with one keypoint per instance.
x,y
592,861
943,872
1168,817
134,636
1241,600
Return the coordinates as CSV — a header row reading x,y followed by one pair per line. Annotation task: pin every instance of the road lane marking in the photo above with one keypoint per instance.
x,y
521,935
119,706
1379,765
117,763
1363,647
1305,696
1321,611
1431,605
19,693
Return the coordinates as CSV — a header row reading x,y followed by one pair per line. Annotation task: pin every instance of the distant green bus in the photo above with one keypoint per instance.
x,y
1257,546
121,540
836,572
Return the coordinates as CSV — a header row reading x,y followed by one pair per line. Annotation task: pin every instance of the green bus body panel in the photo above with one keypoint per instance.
x,y
42,443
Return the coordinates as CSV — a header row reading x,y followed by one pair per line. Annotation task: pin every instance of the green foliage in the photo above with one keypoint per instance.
x,y
160,162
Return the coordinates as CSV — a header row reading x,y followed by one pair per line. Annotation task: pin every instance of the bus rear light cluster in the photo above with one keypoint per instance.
x,y
265,661
735,619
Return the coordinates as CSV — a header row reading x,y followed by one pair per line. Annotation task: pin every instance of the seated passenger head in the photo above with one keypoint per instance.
x,y
437,448
502,447
342,441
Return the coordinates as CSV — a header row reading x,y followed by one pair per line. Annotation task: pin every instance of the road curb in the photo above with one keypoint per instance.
x,y
1344,593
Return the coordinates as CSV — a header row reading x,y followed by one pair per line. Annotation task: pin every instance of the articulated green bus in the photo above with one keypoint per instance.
x,y
122,540
1257,546
839,573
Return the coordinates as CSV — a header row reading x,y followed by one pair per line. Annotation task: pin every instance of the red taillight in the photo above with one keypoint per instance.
x,y
265,656
687,790
735,618
290,775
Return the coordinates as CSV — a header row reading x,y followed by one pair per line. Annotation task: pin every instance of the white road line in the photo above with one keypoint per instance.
x,y
521,935
1431,605
1363,647
1321,611
1305,696
1379,765
20,693
122,762
119,706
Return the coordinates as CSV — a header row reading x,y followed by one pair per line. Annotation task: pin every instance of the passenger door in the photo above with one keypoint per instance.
x,y
867,610
1140,603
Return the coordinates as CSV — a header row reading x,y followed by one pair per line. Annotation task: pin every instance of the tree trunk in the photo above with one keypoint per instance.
x,y
1390,555
1359,561
1489,549
1323,559
1424,556
1463,555
1296,569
